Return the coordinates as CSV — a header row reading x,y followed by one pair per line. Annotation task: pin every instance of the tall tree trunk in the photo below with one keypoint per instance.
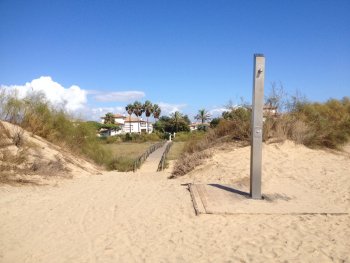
x,y
139,126
147,126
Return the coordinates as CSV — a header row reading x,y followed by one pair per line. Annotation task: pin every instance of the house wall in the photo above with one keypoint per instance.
x,y
135,126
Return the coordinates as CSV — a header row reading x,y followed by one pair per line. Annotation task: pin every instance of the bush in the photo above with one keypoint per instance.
x,y
203,127
312,124
144,137
36,115
113,139
188,162
214,122
122,164
186,136
327,124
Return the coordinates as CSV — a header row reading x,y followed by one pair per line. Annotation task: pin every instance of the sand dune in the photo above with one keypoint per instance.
x,y
145,217
35,160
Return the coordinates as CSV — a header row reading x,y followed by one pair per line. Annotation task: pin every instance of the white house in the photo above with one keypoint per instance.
x,y
127,124
269,110
194,125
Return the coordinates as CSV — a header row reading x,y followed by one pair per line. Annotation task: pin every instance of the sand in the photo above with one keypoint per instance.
x,y
145,217
41,162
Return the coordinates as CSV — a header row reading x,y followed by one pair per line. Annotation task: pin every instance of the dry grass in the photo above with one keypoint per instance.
x,y
128,149
176,150
188,162
10,179
124,154
20,158
196,150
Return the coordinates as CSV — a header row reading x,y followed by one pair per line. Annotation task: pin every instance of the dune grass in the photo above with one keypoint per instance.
x,y
316,125
129,149
176,150
124,154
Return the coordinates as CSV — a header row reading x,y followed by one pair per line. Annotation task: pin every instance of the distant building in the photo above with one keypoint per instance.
x,y
194,126
269,110
127,124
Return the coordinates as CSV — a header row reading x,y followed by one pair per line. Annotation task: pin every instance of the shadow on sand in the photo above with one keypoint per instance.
x,y
230,189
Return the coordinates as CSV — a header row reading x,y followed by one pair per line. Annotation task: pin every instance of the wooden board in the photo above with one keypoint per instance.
x,y
226,199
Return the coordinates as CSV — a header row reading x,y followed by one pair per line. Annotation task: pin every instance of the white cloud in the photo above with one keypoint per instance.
x,y
97,113
72,98
75,99
168,108
120,96
216,112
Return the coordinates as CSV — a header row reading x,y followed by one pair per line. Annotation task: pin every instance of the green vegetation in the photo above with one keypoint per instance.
x,y
109,118
176,150
138,109
36,115
177,122
187,136
319,124
203,115
124,154
148,109
130,149
312,124
133,137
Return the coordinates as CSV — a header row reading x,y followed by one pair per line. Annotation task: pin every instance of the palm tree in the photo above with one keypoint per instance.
x,y
202,115
156,111
148,109
130,109
109,118
138,110
176,118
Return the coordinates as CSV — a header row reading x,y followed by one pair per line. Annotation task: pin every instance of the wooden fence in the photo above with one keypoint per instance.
x,y
139,161
163,159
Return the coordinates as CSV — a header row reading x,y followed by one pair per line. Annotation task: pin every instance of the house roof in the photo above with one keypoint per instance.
x,y
132,119
127,118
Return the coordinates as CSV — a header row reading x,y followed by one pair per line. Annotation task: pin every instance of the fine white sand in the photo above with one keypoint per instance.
x,y
145,217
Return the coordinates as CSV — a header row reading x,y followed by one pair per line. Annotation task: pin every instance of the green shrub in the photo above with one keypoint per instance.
x,y
214,122
122,164
186,136
328,124
113,139
312,124
36,115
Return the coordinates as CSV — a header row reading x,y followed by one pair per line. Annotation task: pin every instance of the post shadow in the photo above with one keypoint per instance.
x,y
231,190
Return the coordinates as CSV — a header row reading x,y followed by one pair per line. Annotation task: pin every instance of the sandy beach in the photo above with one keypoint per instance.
x,y
145,217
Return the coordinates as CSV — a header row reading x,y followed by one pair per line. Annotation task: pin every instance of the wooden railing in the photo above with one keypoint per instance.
x,y
161,165
139,161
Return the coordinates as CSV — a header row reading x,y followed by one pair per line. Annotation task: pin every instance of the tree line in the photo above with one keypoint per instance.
x,y
176,122
138,109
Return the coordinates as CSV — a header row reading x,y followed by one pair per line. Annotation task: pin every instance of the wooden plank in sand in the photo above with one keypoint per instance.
x,y
196,199
228,199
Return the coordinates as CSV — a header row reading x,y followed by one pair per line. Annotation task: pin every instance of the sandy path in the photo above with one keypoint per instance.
x,y
119,217
152,162
145,217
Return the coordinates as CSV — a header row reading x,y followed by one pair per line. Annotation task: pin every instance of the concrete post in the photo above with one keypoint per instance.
x,y
257,124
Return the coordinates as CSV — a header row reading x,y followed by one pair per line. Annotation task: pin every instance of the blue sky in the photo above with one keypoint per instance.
x,y
184,55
